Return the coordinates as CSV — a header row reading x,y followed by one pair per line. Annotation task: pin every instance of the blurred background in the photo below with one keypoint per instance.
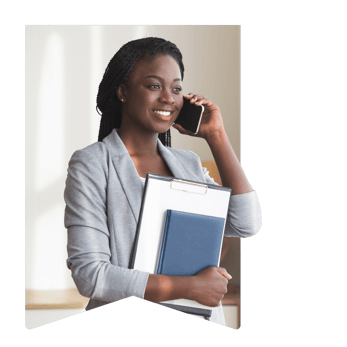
x,y
64,66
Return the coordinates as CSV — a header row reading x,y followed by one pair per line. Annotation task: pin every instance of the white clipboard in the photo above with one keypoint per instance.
x,y
160,194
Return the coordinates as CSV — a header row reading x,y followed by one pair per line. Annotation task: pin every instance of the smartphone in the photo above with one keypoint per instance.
x,y
190,116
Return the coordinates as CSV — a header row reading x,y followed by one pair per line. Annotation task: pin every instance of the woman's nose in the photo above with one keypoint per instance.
x,y
166,97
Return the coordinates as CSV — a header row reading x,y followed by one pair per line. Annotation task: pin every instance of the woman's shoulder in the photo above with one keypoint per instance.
x,y
96,153
96,148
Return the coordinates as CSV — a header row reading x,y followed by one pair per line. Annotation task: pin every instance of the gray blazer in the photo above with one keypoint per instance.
x,y
103,199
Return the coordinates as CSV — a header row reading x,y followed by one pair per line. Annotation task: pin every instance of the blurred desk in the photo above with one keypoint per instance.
x,y
51,299
232,297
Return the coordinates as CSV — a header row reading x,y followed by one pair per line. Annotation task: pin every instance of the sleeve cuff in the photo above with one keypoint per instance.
x,y
244,215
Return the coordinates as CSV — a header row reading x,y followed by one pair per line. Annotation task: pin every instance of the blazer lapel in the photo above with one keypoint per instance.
x,y
128,175
126,171
172,162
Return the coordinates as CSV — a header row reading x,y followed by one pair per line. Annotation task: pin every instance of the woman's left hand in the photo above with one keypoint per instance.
x,y
211,121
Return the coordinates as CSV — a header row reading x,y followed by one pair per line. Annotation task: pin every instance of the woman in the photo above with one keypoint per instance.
x,y
140,96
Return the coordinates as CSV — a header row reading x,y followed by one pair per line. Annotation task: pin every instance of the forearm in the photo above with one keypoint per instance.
x,y
228,165
162,288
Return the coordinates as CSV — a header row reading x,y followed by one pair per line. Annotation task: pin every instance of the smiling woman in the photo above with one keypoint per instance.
x,y
135,56
140,97
152,98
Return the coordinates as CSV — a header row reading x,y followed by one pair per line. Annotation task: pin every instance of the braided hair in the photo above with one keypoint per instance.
x,y
117,73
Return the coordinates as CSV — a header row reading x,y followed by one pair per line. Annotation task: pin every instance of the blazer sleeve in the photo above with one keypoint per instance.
x,y
244,214
88,234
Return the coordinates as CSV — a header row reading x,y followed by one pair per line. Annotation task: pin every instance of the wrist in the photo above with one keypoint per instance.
x,y
191,287
183,287
216,136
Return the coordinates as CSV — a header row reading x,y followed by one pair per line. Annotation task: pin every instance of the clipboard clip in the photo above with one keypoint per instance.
x,y
189,187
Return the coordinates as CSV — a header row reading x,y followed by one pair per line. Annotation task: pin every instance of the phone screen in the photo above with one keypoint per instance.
x,y
190,116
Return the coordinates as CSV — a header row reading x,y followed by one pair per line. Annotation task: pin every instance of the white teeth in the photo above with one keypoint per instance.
x,y
163,113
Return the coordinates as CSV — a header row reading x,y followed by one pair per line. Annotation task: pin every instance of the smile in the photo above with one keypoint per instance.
x,y
163,113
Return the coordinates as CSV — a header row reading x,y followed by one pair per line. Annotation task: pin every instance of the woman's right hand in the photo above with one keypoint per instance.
x,y
209,286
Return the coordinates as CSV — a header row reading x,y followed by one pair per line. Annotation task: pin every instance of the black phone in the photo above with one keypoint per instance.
x,y
190,116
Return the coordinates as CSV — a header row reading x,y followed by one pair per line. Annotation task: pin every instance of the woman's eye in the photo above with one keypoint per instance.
x,y
178,89
154,86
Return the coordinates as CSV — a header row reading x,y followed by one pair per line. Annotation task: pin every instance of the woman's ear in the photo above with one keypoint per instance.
x,y
121,93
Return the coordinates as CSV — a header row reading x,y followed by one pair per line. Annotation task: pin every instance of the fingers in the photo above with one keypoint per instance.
x,y
198,100
224,272
226,275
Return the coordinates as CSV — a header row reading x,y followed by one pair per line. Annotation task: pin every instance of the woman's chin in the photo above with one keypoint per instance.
x,y
162,128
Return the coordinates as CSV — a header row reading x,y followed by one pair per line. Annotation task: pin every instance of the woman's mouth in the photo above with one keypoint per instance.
x,y
163,113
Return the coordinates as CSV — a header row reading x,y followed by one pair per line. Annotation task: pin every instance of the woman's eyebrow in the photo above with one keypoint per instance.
x,y
160,78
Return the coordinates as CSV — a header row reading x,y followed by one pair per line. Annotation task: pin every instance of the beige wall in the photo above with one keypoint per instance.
x,y
64,66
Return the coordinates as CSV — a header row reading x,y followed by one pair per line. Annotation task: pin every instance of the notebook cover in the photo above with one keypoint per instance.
x,y
191,242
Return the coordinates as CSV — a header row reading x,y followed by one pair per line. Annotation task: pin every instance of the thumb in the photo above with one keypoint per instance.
x,y
178,127
182,130
224,273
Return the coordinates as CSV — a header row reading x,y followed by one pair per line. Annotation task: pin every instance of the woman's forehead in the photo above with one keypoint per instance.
x,y
162,65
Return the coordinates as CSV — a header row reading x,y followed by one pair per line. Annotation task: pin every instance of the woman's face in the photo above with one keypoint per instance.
x,y
153,95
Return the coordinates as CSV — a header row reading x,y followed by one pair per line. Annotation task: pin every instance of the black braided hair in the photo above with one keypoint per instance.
x,y
117,73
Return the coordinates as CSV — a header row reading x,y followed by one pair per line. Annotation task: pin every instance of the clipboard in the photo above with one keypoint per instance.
x,y
160,194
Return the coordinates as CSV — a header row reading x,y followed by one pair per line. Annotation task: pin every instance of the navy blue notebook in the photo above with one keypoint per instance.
x,y
191,243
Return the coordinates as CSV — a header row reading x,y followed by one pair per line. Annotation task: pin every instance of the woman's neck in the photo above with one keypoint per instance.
x,y
139,143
